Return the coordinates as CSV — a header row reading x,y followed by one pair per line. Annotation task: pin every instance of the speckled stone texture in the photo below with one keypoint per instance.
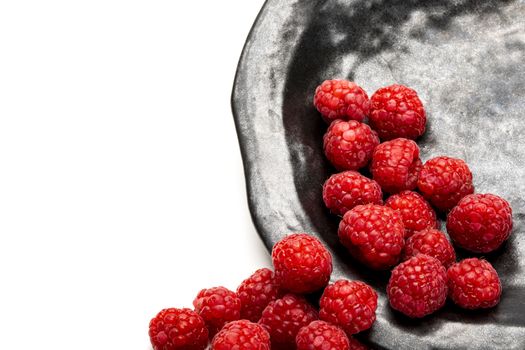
x,y
466,59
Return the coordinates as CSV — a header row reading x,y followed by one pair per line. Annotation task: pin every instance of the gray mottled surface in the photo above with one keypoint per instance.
x,y
465,58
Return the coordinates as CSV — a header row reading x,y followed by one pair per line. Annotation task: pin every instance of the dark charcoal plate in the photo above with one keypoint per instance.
x,y
466,58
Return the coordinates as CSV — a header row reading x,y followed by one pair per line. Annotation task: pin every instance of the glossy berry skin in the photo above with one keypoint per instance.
x,y
474,284
256,292
302,263
443,181
348,145
242,335
217,306
283,318
396,165
416,212
320,335
173,329
480,222
343,191
418,286
430,242
373,234
396,111
341,99
350,305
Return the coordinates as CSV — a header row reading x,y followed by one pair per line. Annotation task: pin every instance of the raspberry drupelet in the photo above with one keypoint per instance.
x,y
256,292
242,335
430,242
320,335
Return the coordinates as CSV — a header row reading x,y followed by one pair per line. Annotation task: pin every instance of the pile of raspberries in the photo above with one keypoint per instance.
x,y
273,309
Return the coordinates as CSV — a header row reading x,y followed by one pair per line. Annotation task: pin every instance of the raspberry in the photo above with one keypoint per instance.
x,y
217,306
418,286
430,242
373,234
256,292
416,212
474,284
242,335
173,329
343,191
320,335
283,318
480,222
396,165
341,99
444,181
397,111
348,145
302,263
350,305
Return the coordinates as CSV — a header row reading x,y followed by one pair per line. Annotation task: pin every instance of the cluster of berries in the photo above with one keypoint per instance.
x,y
404,227
269,310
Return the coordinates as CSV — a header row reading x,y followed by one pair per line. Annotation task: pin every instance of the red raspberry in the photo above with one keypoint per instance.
x,y
397,111
418,286
474,284
480,222
217,306
396,165
242,335
430,242
444,181
350,305
341,99
343,191
283,318
256,292
373,234
349,145
174,329
416,213
320,335
302,263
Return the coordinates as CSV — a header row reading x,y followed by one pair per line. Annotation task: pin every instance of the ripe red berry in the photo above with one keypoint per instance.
x,y
348,145
396,111
373,234
341,99
480,222
256,292
474,284
416,212
217,306
430,242
444,181
418,286
350,305
320,335
343,191
283,318
242,335
302,263
173,329
396,165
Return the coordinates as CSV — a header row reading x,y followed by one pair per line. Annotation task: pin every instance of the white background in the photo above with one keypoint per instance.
x,y
121,183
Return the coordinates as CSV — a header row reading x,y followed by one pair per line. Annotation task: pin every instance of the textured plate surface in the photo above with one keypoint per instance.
x,y
465,58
